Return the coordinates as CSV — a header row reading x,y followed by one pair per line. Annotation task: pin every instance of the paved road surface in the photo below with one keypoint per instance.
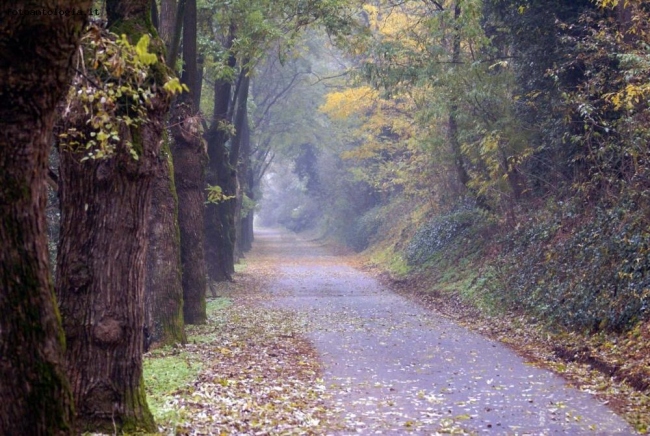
x,y
396,368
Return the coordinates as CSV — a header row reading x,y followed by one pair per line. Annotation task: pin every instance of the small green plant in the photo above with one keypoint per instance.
x,y
591,274
216,195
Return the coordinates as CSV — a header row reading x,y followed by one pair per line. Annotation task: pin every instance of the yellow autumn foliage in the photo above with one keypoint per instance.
x,y
352,101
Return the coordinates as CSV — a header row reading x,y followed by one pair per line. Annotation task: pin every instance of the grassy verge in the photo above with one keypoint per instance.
x,y
246,371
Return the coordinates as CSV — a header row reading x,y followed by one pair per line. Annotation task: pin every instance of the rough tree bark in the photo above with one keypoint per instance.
x,y
35,65
190,159
163,286
233,207
166,26
104,209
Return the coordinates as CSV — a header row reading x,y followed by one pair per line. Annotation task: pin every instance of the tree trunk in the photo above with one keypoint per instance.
x,y
243,174
247,227
217,241
35,63
452,129
104,211
238,144
163,285
105,206
190,161
166,29
174,43
190,75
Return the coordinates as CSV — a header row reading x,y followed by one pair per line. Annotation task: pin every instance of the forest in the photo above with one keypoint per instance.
x,y
487,157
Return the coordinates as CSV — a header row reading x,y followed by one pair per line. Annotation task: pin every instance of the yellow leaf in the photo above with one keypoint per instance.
x,y
143,53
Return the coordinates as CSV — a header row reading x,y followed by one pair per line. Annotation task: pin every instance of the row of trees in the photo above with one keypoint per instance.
x,y
524,120
155,196
500,102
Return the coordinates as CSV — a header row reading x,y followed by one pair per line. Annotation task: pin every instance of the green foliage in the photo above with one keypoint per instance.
x,y
114,92
216,195
585,273
438,233
247,205
609,109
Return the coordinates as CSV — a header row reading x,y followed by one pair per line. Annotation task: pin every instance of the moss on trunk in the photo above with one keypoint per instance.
x,y
37,54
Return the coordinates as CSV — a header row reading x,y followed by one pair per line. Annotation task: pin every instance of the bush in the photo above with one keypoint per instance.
x,y
358,236
587,275
438,233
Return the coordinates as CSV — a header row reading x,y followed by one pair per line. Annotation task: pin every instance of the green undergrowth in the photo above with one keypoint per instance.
x,y
391,261
586,271
165,371
582,269
168,369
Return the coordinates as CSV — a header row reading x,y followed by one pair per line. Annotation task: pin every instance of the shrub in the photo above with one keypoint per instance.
x,y
438,233
588,275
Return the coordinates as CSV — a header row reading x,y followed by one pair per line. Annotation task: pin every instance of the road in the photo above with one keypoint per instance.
x,y
393,367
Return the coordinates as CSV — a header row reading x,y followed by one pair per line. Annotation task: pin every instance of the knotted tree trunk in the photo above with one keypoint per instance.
x,y
105,206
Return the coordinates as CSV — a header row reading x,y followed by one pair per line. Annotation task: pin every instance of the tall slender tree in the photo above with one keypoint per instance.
x,y
218,247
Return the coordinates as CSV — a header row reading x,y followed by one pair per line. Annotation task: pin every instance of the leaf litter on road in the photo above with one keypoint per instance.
x,y
255,374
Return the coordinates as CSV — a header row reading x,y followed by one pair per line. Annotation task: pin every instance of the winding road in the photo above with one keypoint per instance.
x,y
393,367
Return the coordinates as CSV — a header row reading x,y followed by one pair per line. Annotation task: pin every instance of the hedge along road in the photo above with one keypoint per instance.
x,y
393,367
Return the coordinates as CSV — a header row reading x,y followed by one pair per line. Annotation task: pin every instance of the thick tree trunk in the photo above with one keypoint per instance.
x,y
101,274
188,149
35,58
190,161
190,75
163,286
198,91
243,176
247,225
166,29
220,238
247,232
238,143
105,206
